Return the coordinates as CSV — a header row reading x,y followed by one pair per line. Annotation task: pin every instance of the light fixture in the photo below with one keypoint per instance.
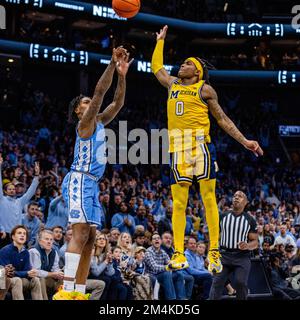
x,y
10,60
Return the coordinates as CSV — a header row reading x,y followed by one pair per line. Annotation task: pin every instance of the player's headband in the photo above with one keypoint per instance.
x,y
198,66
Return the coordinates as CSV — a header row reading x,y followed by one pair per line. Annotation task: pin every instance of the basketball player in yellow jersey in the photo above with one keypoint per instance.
x,y
190,99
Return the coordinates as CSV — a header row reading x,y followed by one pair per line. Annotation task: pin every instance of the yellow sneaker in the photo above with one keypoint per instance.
x,y
70,295
215,265
177,262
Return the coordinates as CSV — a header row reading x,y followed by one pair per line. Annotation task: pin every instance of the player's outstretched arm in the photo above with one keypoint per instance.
x,y
102,86
225,123
113,109
157,64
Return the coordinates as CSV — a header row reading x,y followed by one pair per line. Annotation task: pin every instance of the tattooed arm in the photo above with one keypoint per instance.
x,y
210,95
113,109
88,122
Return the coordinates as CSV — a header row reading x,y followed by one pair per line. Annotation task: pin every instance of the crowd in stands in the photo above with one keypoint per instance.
x,y
135,242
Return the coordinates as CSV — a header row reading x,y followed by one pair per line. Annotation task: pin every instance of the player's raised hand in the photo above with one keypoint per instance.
x,y
161,35
254,147
118,53
36,168
123,64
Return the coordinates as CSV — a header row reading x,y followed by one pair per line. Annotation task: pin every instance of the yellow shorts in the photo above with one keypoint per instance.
x,y
200,161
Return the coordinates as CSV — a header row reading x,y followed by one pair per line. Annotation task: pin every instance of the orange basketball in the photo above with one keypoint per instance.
x,y
126,8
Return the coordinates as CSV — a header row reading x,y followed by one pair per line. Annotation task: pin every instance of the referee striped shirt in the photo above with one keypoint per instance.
x,y
235,229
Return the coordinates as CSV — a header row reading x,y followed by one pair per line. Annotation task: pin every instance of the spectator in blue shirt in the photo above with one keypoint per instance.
x,y
58,214
57,237
15,254
32,223
123,221
140,218
197,267
12,207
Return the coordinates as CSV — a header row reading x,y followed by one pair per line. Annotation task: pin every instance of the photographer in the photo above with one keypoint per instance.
x,y
279,272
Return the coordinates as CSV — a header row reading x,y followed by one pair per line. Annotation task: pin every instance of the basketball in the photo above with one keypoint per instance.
x,y
126,8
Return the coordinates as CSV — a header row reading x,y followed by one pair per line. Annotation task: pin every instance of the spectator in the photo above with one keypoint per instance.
x,y
139,240
57,237
9,271
182,291
62,250
32,223
122,291
279,274
101,264
25,278
58,213
165,224
284,238
114,236
123,221
12,207
140,218
197,266
141,282
45,259
156,261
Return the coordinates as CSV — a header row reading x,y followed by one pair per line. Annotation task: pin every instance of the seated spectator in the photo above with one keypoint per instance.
x,y
32,223
165,224
114,236
279,273
182,292
58,214
45,259
122,291
189,223
197,266
139,240
140,218
12,207
57,237
123,221
141,282
25,278
101,264
9,271
156,261
284,238
62,250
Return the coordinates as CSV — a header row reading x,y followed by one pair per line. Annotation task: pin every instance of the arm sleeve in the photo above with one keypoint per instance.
x,y
116,221
30,192
157,62
35,261
54,203
97,269
152,265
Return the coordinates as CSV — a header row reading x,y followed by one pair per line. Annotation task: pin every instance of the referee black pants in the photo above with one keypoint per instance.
x,y
239,264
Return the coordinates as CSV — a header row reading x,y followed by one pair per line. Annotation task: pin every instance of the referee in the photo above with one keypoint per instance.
x,y
238,237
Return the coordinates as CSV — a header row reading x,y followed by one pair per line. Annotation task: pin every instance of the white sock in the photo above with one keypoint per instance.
x,y
71,266
80,288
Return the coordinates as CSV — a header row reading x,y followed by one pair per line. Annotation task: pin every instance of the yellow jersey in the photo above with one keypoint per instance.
x,y
188,120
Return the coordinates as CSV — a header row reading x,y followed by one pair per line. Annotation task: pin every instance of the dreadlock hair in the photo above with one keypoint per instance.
x,y
72,106
206,66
